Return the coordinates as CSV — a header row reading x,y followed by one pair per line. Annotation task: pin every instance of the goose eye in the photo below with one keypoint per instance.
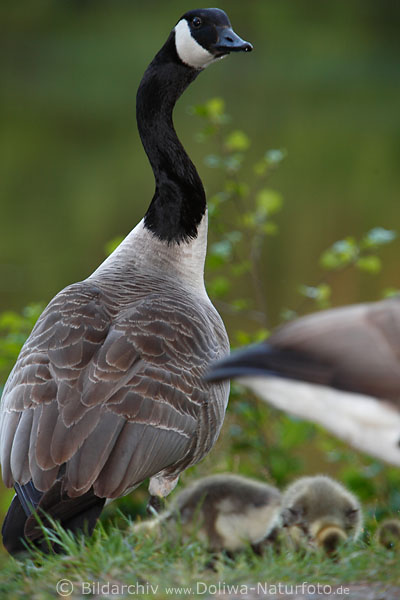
x,y
196,22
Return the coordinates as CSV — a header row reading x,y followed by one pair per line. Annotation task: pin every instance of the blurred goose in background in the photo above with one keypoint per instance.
x,y
108,390
320,512
227,511
339,368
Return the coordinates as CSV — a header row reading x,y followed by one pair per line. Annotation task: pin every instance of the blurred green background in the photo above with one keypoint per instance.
x,y
323,83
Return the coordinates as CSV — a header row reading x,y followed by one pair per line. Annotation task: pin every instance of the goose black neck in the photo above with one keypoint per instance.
x,y
179,201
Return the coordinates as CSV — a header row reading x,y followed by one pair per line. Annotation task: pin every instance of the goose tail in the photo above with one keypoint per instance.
x,y
21,527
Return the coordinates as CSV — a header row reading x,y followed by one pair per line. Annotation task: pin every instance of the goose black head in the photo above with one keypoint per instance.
x,y
205,35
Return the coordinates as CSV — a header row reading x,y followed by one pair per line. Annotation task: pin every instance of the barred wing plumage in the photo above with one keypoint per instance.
x,y
116,397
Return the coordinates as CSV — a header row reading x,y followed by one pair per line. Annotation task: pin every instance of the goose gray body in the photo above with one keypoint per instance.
x,y
110,381
339,367
108,390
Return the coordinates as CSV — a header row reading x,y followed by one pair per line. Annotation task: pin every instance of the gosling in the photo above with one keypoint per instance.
x,y
228,512
388,534
319,512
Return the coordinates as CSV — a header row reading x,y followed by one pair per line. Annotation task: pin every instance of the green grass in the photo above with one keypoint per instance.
x,y
118,558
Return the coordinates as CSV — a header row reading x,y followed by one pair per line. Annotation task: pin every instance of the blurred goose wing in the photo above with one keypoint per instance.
x,y
351,355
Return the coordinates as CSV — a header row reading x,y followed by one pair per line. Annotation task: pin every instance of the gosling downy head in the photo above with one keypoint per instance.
x,y
388,534
321,512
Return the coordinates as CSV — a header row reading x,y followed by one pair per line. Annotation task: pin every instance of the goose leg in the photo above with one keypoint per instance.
x,y
155,505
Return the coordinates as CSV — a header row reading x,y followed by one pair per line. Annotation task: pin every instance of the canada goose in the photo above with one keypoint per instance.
x,y
339,367
227,511
107,390
388,534
320,512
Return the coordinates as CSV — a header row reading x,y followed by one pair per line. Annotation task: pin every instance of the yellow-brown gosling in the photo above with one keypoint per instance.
x,y
227,511
320,512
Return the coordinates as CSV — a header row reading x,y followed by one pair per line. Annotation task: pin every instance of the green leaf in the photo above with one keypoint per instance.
x,y
340,254
378,236
275,156
370,264
212,110
10,320
320,293
219,287
268,201
242,338
270,160
390,292
237,141
261,335
215,107
270,228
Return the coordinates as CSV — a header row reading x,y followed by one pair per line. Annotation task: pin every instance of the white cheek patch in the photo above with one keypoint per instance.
x,y
189,51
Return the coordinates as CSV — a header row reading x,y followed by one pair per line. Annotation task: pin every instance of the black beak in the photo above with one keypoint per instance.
x,y
228,41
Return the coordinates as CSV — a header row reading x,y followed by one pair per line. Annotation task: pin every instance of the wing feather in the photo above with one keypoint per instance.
x,y
117,397
9,427
360,343
19,458
65,440
47,416
86,464
139,451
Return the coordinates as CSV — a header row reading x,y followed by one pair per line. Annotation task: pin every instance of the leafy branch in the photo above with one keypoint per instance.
x,y
243,228
343,255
